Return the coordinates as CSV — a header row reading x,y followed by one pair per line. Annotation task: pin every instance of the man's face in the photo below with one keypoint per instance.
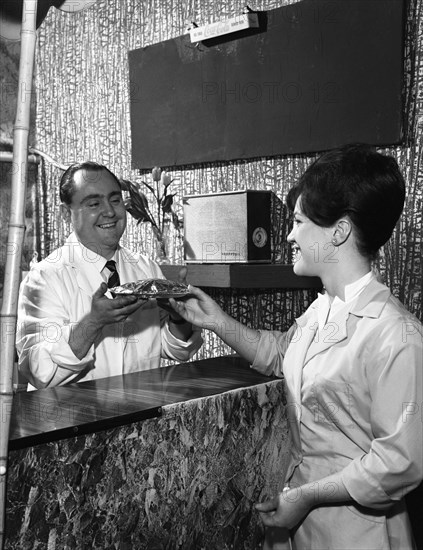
x,y
97,212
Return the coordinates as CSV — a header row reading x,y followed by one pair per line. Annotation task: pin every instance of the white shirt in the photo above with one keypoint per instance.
x,y
57,293
327,310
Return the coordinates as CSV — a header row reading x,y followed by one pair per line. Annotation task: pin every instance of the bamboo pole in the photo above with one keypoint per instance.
x,y
16,233
6,156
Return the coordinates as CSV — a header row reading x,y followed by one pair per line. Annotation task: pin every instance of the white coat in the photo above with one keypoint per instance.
x,y
57,292
354,397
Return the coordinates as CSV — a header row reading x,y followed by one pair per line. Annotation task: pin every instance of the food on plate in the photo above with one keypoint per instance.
x,y
152,288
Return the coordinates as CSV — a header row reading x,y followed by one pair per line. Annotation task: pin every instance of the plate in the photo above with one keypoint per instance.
x,y
164,295
152,288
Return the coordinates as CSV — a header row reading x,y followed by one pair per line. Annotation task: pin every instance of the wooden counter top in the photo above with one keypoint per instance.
x,y
58,413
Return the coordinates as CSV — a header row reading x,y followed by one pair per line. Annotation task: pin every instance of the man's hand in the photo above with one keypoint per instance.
x,y
105,311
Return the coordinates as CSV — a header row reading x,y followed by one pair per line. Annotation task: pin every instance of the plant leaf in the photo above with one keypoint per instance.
x,y
167,203
178,224
137,204
157,232
125,185
149,187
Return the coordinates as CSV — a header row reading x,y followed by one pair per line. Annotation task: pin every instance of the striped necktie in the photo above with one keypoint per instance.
x,y
114,279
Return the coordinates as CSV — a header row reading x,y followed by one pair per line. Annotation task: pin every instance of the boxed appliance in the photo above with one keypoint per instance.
x,y
229,227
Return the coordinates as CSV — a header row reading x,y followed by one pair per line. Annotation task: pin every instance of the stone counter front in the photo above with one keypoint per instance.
x,y
185,480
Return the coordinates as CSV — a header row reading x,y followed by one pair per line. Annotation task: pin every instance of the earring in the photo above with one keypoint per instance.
x,y
334,242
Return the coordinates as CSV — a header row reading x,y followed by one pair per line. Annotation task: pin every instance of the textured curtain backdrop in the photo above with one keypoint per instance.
x,y
83,113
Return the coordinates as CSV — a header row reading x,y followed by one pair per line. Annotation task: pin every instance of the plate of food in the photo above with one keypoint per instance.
x,y
152,288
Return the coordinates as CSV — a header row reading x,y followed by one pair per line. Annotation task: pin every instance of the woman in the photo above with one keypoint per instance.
x,y
352,365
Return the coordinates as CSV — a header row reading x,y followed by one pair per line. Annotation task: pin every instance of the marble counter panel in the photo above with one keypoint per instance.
x,y
185,480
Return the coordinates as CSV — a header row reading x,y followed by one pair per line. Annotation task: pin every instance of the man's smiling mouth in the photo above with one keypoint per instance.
x,y
106,225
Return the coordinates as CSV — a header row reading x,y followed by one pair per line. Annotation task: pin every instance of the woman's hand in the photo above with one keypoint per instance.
x,y
202,311
292,505
164,302
198,309
286,510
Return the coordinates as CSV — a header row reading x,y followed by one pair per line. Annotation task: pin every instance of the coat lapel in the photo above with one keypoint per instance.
x,y
129,267
369,303
332,333
133,267
89,279
87,274
296,354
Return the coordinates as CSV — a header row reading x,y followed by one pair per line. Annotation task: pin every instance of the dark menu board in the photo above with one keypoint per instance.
x,y
315,75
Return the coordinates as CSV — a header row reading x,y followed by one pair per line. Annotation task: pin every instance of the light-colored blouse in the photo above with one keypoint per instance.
x,y
354,390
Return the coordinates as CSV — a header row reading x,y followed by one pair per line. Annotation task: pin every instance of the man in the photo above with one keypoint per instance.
x,y
69,326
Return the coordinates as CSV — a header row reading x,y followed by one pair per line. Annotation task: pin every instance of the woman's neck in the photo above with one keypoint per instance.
x,y
344,274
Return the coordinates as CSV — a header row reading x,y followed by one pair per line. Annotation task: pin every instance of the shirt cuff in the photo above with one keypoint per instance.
x,y
43,361
180,350
363,488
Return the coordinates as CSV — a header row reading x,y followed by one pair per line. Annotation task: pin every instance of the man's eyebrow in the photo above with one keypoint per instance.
x,y
92,196
99,196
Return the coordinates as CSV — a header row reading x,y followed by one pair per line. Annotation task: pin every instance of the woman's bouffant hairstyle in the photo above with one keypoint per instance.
x,y
357,182
67,182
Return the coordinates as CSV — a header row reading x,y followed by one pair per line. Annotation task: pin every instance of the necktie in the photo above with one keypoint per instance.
x,y
114,279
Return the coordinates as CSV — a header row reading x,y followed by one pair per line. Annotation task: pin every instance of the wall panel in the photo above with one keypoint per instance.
x,y
83,113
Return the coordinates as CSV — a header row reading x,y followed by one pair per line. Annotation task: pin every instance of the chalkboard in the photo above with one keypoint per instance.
x,y
315,75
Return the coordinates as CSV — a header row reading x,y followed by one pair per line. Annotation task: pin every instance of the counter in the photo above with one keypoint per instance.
x,y
168,458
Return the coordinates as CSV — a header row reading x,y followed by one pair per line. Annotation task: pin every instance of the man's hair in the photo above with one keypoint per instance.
x,y
67,188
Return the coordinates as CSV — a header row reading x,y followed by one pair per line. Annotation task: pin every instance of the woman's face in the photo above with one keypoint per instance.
x,y
313,251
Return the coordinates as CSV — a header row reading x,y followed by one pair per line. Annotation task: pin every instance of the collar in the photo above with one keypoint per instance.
x,y
78,253
352,290
327,309
371,301
368,303
115,257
